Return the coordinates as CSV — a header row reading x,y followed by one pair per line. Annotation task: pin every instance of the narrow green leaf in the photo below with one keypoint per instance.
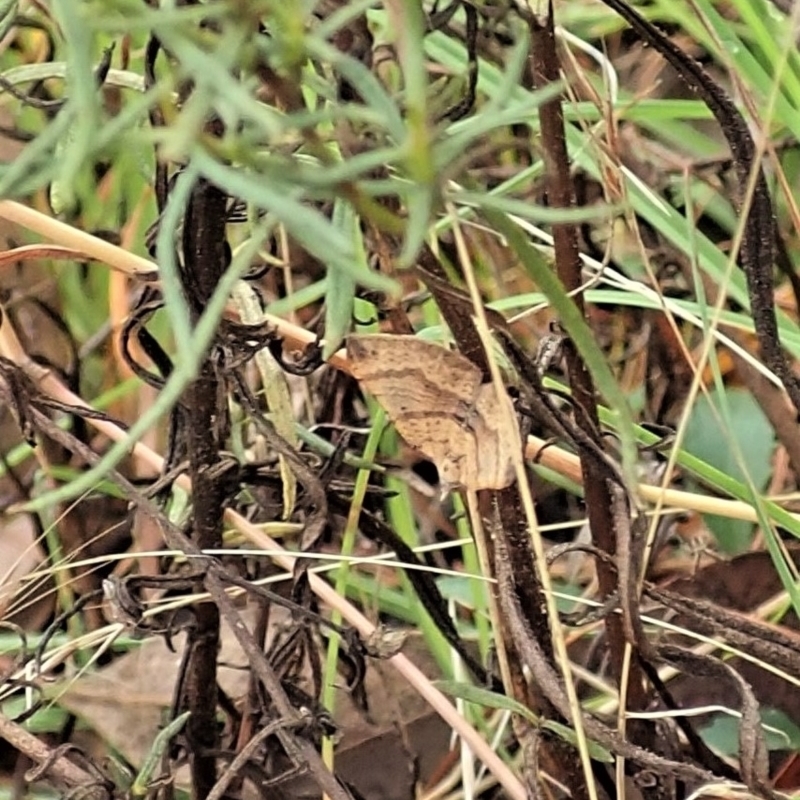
x,y
341,288
152,761
307,225
486,698
489,699
596,751
582,337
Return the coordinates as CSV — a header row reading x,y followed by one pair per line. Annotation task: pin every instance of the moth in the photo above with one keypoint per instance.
x,y
440,406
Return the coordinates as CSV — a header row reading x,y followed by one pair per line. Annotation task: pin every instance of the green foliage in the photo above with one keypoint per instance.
x,y
722,732
740,445
153,761
484,697
48,719
333,174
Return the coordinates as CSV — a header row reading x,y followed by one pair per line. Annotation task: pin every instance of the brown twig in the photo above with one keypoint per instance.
x,y
560,194
551,685
506,506
204,431
61,769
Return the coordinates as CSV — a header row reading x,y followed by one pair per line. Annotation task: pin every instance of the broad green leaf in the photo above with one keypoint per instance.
x,y
722,732
712,440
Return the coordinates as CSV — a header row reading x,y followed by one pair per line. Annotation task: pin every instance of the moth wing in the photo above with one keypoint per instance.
x,y
436,401
498,439
380,357
426,390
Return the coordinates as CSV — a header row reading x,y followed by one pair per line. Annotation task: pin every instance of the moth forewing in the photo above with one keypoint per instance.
x,y
438,404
